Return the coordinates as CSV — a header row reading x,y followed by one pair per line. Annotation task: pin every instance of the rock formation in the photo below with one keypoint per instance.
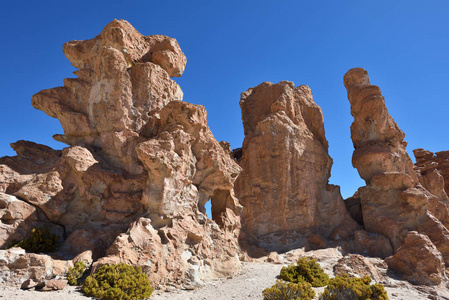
x,y
284,183
418,260
433,171
140,166
393,202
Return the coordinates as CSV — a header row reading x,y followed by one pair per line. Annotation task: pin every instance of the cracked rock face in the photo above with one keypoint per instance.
x,y
123,77
140,166
393,202
283,186
433,171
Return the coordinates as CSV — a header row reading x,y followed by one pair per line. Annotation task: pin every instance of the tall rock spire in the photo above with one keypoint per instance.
x,y
283,186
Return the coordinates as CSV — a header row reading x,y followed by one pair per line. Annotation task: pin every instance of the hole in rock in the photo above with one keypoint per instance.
x,y
353,206
3,204
208,207
164,238
215,206
12,188
8,221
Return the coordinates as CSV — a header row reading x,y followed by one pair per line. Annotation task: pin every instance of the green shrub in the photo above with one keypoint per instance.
x,y
118,282
76,272
284,290
344,287
40,241
305,270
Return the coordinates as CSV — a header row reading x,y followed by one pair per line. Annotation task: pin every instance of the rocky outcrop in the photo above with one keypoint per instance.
x,y
433,172
123,77
372,244
418,260
17,267
359,266
140,166
283,186
393,202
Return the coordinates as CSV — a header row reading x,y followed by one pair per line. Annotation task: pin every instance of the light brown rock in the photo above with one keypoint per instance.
x,y
372,244
418,260
54,285
18,266
283,186
428,162
354,208
358,265
275,258
393,202
140,167
433,173
178,251
122,75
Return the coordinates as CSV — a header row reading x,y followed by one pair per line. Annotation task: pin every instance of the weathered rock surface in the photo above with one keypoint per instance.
x,y
433,171
358,265
372,244
283,186
354,208
393,202
418,260
54,285
140,167
123,76
17,266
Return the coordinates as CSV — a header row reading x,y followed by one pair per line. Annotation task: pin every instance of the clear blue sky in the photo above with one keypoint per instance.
x,y
234,45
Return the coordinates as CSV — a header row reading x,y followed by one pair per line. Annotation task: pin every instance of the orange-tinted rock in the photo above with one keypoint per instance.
x,y
283,186
18,218
358,265
141,165
433,173
18,266
418,260
427,162
178,251
393,202
123,76
372,244
354,208
54,285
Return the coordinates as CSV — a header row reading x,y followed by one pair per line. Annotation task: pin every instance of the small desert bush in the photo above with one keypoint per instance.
x,y
40,241
76,272
344,287
118,282
284,290
305,270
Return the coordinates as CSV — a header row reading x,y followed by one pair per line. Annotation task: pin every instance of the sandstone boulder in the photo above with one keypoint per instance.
x,y
358,265
418,260
54,285
17,266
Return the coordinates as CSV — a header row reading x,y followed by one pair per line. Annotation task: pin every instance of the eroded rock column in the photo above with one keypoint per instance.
x,y
283,186
393,202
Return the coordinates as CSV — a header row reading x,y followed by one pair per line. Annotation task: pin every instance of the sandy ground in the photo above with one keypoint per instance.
x,y
248,285
255,277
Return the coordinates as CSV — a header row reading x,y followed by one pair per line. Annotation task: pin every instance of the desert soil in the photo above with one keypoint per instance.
x,y
255,277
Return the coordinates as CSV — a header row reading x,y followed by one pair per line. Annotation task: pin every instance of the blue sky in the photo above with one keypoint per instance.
x,y
234,45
